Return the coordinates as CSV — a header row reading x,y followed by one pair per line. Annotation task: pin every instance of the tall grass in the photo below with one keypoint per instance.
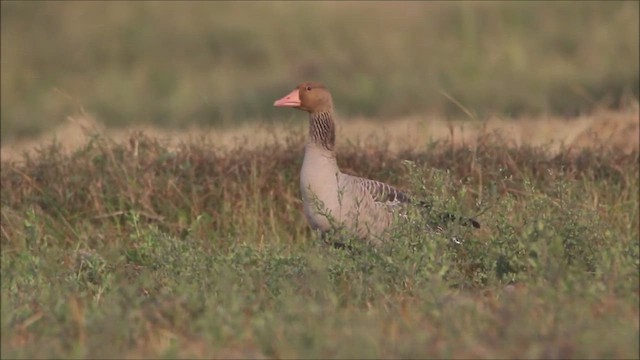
x,y
181,63
137,250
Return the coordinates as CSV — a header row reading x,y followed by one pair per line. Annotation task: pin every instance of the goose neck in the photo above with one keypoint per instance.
x,y
322,130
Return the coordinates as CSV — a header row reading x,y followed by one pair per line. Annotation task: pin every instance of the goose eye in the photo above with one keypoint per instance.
x,y
308,88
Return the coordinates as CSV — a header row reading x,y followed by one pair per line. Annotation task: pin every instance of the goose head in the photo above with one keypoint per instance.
x,y
311,97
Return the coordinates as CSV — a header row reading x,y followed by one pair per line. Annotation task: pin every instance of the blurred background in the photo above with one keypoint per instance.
x,y
176,64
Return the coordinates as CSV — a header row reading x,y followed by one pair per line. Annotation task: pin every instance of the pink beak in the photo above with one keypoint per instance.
x,y
291,100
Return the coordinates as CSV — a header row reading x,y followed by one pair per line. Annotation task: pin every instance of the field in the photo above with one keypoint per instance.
x,y
155,210
140,248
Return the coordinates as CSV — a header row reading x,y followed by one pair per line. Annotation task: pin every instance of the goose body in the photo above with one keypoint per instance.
x,y
333,199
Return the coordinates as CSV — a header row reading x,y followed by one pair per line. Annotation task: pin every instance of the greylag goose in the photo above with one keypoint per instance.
x,y
333,199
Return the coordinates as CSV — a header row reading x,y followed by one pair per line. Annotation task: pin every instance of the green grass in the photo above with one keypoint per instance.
x,y
220,63
140,251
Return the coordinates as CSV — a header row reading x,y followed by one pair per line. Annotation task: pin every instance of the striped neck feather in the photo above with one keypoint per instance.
x,y
322,129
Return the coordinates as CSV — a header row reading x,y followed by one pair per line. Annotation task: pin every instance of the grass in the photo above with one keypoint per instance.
x,y
134,250
142,248
173,64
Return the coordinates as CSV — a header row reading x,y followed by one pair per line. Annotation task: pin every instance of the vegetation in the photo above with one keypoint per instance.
x,y
136,250
144,249
221,63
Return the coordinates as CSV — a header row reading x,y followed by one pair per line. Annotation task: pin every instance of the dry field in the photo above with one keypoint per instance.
x,y
615,129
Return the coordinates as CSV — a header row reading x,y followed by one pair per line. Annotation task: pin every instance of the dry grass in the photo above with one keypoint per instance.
x,y
616,129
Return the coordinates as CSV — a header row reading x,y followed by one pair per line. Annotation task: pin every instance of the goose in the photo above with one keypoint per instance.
x,y
332,199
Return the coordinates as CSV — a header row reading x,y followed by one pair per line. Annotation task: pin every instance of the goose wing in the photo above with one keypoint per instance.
x,y
386,194
379,191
